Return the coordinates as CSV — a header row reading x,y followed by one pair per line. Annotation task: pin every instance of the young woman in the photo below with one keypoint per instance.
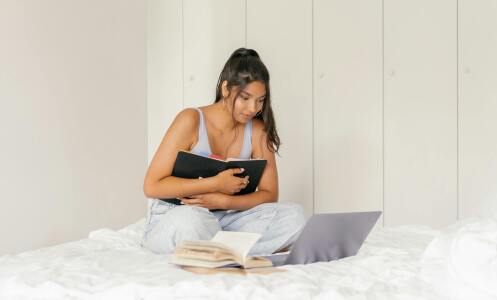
x,y
239,124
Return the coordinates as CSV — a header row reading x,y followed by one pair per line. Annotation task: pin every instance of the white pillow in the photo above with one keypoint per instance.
x,y
461,262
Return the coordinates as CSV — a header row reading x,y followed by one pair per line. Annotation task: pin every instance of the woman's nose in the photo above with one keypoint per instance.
x,y
253,107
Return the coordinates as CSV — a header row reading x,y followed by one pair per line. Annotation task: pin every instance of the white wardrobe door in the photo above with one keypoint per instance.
x,y
164,77
284,42
477,107
213,29
348,105
420,112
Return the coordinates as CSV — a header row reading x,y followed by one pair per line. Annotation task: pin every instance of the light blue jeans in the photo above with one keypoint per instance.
x,y
168,224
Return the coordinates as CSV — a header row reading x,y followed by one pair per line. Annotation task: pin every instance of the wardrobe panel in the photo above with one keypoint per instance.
x,y
284,42
348,106
477,107
213,29
420,112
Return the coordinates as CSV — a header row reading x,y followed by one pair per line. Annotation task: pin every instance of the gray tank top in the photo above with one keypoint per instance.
x,y
203,147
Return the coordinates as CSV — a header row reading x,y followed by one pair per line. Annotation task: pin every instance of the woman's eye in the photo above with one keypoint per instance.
x,y
245,98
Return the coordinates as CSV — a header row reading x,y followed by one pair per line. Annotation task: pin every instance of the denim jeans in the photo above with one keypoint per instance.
x,y
168,224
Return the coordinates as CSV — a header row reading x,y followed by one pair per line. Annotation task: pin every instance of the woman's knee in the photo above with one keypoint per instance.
x,y
292,214
181,223
194,220
283,230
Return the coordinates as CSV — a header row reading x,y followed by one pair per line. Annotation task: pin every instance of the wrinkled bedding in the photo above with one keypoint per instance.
x,y
461,262
110,264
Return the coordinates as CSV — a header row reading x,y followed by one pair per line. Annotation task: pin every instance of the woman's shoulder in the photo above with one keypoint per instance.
x,y
258,127
188,114
259,138
186,119
259,135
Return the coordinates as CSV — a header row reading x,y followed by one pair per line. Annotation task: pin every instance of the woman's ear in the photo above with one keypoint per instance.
x,y
224,89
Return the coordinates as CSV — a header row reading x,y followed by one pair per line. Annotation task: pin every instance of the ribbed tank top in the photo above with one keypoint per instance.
x,y
203,147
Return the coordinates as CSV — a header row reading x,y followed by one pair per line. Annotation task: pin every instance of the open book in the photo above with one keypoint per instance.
x,y
193,166
225,249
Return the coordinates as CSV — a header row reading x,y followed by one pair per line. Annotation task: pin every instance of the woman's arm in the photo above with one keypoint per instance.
x,y
158,181
244,202
173,187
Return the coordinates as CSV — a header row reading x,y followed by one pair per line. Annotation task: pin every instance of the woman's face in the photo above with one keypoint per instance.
x,y
249,102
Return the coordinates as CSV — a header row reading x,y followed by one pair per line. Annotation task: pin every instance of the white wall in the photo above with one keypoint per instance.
x,y
73,136
477,115
381,105
165,68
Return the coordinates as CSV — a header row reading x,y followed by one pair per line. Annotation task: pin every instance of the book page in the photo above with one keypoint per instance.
x,y
236,159
241,242
206,244
203,253
257,262
198,263
240,159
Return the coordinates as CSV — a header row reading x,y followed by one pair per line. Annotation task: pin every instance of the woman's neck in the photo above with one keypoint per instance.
x,y
223,117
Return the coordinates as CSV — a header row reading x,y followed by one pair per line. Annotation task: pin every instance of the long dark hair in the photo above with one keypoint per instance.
x,y
243,67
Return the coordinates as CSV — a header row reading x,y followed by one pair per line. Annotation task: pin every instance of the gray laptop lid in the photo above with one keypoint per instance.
x,y
327,237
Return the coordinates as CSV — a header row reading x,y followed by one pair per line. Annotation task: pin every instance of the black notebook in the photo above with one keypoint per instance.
x,y
192,166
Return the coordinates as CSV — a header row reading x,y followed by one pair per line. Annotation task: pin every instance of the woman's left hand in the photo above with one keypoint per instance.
x,y
208,200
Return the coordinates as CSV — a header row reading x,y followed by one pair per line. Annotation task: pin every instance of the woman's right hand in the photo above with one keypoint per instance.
x,y
228,183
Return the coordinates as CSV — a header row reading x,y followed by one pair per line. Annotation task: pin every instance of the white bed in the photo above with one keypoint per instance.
x,y
392,264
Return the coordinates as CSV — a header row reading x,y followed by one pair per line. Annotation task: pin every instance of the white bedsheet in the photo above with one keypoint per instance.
x,y
111,265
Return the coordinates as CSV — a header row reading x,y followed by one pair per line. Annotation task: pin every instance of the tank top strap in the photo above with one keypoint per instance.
x,y
202,147
201,126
